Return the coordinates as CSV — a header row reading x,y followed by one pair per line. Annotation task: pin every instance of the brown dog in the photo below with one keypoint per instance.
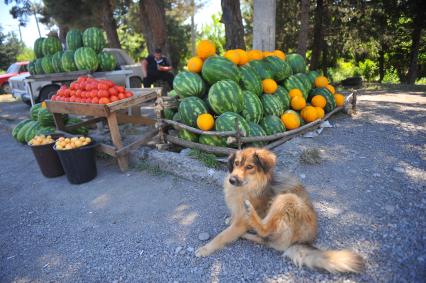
x,y
278,208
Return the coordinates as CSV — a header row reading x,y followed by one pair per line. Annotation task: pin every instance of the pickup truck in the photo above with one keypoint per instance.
x,y
15,69
43,87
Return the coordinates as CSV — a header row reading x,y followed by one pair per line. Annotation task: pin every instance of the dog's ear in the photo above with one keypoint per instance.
x,y
231,160
265,160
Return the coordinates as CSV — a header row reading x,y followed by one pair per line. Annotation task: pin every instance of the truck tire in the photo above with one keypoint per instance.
x,y
47,92
6,88
135,82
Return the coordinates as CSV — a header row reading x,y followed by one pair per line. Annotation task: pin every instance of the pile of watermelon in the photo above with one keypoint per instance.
x,y
83,52
90,90
42,123
266,92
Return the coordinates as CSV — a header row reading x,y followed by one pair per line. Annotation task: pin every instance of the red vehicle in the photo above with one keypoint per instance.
x,y
15,69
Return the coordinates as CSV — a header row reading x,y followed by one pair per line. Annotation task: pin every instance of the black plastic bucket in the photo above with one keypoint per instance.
x,y
79,164
48,160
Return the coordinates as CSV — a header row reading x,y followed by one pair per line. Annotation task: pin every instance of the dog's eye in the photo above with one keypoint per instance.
x,y
248,167
236,163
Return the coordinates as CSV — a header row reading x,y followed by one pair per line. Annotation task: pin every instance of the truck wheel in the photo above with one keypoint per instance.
x,y
135,82
47,92
6,88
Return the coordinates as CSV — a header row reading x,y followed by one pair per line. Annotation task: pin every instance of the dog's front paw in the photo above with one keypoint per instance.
x,y
203,251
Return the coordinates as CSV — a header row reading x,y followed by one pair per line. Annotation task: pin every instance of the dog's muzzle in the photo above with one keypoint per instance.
x,y
235,181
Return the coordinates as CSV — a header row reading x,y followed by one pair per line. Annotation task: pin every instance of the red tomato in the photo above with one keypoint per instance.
x,y
129,94
88,86
78,93
109,83
113,91
104,100
73,85
67,93
65,99
103,93
113,98
94,93
72,99
102,86
53,98
72,92
60,92
95,100
78,100
121,95
120,89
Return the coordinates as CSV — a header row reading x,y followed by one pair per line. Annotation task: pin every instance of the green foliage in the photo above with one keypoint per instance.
x,y
10,47
215,31
391,76
179,36
132,42
368,69
26,54
207,159
343,70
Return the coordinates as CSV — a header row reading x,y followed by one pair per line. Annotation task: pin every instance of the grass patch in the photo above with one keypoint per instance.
x,y
153,170
311,156
207,159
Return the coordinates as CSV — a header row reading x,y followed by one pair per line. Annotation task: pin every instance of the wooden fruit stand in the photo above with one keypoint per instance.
x,y
114,114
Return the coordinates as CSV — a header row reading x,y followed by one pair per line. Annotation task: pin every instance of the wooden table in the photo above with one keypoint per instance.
x,y
114,114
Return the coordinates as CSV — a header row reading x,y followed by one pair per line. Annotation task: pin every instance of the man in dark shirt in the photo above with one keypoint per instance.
x,y
157,67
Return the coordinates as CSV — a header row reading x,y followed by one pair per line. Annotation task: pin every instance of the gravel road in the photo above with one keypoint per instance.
x,y
369,191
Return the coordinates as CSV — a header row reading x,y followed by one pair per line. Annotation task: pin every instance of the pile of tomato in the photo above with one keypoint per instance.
x,y
90,90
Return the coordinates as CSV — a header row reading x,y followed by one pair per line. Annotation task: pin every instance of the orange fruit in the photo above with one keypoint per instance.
x,y
269,86
233,56
330,88
206,48
319,101
195,64
298,103
321,81
243,56
267,53
340,99
295,92
279,54
310,114
320,112
205,122
291,120
254,55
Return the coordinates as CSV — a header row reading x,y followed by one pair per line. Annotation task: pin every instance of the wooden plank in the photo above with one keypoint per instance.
x,y
203,147
84,123
136,144
108,149
88,109
132,101
136,120
123,162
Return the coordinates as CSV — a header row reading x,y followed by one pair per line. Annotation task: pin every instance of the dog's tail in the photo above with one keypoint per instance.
x,y
333,260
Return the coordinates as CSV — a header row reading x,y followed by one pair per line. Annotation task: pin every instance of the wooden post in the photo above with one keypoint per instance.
x,y
123,162
59,121
237,124
264,24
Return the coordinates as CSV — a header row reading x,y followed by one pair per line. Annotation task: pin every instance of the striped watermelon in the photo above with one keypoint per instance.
x,y
67,61
272,104
46,64
252,107
38,67
272,125
107,61
280,69
190,108
331,102
305,81
51,45
297,63
255,130
188,84
56,62
74,40
261,68
250,80
177,118
32,68
31,132
282,93
294,82
85,58
45,118
225,96
212,140
187,135
34,111
169,113
172,93
217,68
94,38
228,122
18,127
312,76
38,47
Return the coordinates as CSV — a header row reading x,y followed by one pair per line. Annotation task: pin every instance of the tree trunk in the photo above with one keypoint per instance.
x,y
302,39
154,28
324,61
234,29
318,36
264,16
62,33
110,25
381,64
414,53
193,28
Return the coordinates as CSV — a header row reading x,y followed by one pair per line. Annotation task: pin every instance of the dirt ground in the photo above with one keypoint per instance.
x,y
368,189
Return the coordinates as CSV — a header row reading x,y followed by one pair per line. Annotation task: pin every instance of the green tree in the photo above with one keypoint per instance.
x,y
10,47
